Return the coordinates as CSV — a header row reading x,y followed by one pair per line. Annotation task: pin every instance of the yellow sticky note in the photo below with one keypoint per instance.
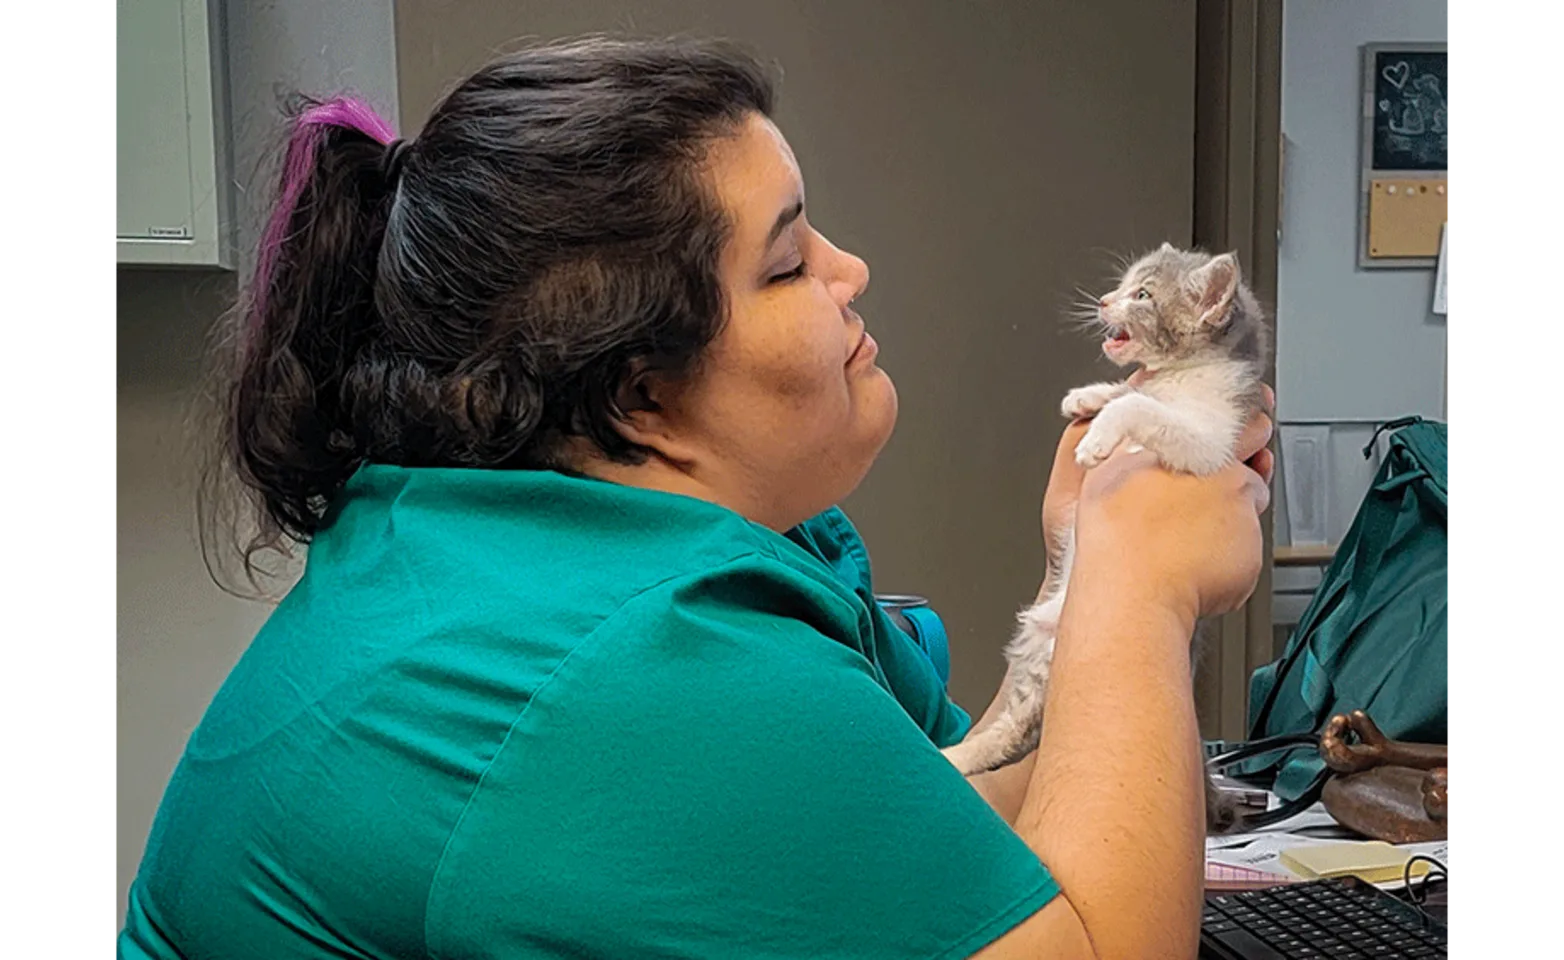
x,y
1372,860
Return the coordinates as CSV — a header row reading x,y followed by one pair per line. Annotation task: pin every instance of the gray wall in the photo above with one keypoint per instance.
x,y
985,158
178,634
1353,346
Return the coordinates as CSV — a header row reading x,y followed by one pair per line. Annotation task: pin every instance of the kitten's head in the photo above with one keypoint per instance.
x,y
1177,305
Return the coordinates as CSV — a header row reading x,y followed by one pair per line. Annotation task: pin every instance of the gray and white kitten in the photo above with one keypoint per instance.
x,y
1197,333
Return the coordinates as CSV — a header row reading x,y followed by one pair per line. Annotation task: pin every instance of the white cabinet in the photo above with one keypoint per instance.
x,y
174,186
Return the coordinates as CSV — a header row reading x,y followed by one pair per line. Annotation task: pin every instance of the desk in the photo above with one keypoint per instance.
x,y
1322,554
1309,555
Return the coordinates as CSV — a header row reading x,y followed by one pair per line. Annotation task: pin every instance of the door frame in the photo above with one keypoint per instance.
x,y
1238,60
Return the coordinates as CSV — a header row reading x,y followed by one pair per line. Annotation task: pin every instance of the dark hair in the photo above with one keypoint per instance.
x,y
481,294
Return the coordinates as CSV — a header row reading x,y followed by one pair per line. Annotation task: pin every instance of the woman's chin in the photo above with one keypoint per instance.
x,y
879,406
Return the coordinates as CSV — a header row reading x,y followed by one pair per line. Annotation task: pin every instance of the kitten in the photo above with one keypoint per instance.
x,y
1197,333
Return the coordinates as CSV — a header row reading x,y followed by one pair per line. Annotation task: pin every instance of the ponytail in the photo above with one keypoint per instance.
x,y
308,312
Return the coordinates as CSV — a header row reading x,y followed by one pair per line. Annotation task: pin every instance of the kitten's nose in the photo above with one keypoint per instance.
x,y
1103,303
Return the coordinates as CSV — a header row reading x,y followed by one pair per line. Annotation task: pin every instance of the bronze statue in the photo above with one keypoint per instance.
x,y
1388,789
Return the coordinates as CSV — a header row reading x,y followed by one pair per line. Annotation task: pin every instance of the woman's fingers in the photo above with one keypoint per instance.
x,y
1256,436
1254,447
1264,463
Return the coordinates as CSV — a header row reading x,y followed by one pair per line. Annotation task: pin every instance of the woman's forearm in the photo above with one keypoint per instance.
x,y
1115,804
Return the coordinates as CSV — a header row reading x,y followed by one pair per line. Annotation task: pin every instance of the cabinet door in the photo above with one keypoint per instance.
x,y
154,137
169,208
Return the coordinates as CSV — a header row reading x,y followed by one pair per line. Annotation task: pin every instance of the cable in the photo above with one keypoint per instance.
x,y
1417,896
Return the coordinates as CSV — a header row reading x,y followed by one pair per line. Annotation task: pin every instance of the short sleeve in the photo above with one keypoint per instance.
x,y
832,539
718,773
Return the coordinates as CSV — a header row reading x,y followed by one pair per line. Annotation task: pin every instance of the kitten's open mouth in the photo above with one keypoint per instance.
x,y
1117,337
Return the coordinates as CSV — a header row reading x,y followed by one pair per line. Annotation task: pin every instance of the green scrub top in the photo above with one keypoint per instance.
x,y
511,714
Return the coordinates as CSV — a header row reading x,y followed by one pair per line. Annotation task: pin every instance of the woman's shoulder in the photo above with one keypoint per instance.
x,y
769,600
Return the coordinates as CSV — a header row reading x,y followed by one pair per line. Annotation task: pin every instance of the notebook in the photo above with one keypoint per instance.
x,y
1225,876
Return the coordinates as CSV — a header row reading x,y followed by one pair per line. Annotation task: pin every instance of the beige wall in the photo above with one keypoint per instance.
x,y
985,158
178,634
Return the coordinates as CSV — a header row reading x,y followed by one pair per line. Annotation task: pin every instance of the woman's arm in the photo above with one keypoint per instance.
x,y
1114,805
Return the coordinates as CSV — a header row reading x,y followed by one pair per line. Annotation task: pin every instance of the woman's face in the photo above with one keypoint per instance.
x,y
787,408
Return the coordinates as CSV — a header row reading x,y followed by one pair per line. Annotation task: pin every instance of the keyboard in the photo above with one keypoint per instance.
x,y
1318,919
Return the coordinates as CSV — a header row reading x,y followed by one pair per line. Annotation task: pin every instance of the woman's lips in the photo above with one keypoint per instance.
x,y
865,352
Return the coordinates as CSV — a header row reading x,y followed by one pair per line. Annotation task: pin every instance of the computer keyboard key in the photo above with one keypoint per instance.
x,y
1245,944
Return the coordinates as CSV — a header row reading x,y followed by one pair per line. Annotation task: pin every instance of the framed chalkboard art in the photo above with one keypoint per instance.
x,y
1411,129
1405,149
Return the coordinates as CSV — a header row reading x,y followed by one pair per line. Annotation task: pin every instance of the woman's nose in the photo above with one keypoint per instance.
x,y
849,274
855,275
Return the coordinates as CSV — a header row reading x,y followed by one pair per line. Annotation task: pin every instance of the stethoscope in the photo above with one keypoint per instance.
x,y
1283,742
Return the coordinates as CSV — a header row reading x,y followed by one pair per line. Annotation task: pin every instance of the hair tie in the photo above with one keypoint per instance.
x,y
392,160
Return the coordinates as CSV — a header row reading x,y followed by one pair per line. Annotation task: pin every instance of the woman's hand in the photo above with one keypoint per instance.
x,y
1196,539
1064,488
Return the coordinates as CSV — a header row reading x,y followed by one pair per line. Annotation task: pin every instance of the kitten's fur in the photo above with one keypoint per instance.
x,y
1187,319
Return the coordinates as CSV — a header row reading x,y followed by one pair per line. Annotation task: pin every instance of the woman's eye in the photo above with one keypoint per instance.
x,y
1142,294
792,274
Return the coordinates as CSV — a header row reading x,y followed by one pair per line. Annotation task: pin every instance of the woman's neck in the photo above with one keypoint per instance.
x,y
722,487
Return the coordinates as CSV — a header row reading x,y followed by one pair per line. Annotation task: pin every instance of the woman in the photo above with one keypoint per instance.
x,y
583,661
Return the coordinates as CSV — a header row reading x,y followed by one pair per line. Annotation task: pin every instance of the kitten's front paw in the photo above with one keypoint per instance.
x,y
1096,446
1083,402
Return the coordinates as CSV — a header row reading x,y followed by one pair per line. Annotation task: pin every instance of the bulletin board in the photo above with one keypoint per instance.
x,y
1404,184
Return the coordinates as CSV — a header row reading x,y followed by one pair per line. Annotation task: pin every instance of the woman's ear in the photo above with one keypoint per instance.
x,y
647,402
635,393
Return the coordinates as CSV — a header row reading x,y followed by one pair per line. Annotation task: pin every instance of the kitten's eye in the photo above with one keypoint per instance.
x,y
1142,294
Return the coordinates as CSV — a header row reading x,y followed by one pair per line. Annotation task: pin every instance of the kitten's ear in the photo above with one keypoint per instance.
x,y
1214,286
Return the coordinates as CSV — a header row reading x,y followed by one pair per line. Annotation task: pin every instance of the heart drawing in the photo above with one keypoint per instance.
x,y
1397,74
